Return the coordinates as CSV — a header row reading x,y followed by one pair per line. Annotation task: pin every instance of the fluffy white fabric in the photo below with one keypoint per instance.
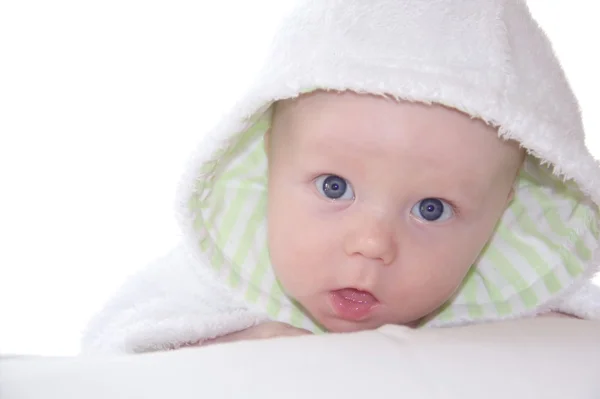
x,y
480,56
169,304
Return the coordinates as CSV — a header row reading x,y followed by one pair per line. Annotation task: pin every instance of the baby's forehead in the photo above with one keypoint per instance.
x,y
332,110
367,119
362,126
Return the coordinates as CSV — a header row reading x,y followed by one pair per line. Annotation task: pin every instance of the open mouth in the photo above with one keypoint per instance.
x,y
352,304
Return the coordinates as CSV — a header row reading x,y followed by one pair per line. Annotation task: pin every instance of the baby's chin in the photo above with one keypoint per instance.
x,y
334,324
344,326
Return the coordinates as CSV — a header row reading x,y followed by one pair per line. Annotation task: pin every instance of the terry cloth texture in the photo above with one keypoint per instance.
x,y
487,58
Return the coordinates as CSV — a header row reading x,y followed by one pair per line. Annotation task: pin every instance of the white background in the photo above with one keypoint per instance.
x,y
100,104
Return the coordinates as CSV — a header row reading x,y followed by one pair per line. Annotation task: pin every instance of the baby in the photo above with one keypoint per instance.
x,y
396,163
376,208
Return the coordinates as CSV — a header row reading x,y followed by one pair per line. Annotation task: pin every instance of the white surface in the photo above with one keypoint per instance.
x,y
543,358
99,104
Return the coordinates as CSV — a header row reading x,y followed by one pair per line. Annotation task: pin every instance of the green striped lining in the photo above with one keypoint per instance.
x,y
546,239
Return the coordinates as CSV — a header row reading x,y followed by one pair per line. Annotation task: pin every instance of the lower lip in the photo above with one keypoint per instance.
x,y
352,304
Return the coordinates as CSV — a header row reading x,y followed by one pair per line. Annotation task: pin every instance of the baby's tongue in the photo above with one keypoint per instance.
x,y
354,295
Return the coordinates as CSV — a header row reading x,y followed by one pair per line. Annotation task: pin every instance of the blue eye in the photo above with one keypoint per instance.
x,y
334,187
432,210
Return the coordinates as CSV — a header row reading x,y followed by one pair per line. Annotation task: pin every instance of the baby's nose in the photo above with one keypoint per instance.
x,y
374,240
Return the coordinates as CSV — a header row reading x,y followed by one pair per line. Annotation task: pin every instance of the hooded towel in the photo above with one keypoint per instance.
x,y
486,58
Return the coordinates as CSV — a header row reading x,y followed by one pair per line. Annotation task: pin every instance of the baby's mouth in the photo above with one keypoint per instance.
x,y
352,304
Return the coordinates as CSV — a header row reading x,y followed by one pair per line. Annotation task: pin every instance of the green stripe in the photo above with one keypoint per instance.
x,y
494,293
249,235
588,220
194,204
475,311
532,257
207,168
244,190
217,204
247,240
218,199
571,262
297,317
318,329
552,283
275,296
594,222
201,224
446,313
231,219
245,139
469,291
234,278
218,258
512,276
503,307
253,160
251,139
228,224
258,273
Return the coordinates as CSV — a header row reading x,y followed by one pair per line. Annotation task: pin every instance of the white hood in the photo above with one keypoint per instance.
x,y
486,58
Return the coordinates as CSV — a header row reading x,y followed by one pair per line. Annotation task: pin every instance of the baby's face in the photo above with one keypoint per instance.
x,y
377,208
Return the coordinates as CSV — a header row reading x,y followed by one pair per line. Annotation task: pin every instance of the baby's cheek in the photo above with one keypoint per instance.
x,y
431,283
298,257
